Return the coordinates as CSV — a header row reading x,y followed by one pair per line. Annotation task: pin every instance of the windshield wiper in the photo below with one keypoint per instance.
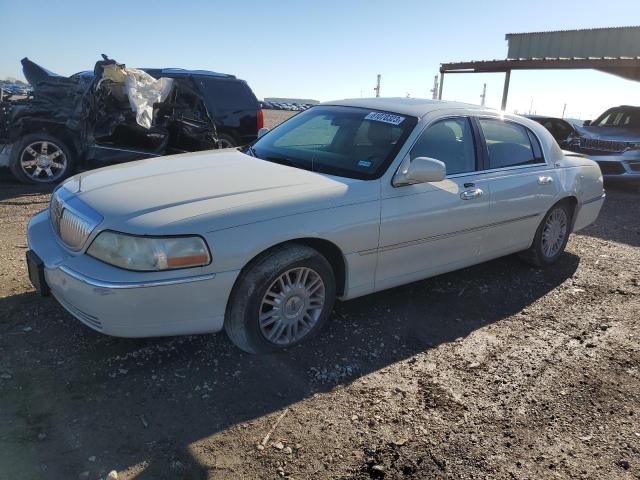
x,y
286,161
251,151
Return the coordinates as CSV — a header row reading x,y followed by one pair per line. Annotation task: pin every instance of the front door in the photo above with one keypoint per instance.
x,y
436,227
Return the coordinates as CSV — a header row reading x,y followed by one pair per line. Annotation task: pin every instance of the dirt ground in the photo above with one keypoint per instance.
x,y
496,371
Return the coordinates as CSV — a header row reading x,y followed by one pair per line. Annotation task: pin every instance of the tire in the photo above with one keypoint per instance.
x,y
253,299
28,165
544,250
226,141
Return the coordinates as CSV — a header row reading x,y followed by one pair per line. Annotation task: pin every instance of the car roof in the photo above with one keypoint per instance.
x,y
544,117
169,72
179,72
415,107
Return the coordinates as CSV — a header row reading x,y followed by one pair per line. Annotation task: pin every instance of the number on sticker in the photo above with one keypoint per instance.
x,y
385,117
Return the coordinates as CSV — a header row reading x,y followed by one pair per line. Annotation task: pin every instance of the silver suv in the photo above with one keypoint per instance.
x,y
613,141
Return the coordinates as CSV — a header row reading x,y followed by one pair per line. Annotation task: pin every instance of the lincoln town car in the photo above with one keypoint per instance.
x,y
342,200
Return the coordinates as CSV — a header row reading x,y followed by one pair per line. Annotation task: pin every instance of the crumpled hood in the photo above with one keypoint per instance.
x,y
615,134
204,191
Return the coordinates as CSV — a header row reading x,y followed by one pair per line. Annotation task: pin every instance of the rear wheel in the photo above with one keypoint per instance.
x,y
551,237
41,158
283,299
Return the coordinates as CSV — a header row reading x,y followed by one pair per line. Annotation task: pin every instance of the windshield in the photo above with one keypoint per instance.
x,y
619,117
345,141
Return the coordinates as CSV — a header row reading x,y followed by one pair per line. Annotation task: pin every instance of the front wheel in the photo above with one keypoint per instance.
x,y
41,158
551,237
283,299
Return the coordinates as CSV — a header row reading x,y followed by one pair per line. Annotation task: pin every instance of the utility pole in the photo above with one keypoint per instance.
x,y
484,95
434,90
377,89
564,109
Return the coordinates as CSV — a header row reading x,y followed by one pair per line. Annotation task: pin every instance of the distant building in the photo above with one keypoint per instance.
x,y
291,100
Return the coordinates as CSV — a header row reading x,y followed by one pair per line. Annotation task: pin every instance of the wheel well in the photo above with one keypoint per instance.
x,y
572,203
62,133
328,249
333,254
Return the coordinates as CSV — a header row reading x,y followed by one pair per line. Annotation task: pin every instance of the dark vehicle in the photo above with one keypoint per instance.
x,y
559,128
115,114
613,141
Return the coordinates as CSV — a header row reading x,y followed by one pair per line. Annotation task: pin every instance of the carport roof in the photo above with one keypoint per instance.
x,y
625,67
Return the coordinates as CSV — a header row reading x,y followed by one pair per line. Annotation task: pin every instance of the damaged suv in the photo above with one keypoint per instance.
x,y
117,114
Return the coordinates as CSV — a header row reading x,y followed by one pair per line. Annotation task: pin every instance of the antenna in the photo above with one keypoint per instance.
x,y
564,109
434,90
377,89
484,95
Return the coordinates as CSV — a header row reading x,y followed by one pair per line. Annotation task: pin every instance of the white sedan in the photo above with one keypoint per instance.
x,y
342,200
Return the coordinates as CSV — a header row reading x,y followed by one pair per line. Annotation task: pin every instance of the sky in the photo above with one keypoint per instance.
x,y
326,49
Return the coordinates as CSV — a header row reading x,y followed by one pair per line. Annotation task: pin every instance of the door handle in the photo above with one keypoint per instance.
x,y
545,180
471,193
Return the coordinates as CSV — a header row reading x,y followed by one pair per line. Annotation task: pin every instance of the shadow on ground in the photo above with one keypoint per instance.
x,y
143,402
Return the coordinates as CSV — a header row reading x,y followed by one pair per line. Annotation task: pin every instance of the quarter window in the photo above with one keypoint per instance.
x,y
449,141
509,144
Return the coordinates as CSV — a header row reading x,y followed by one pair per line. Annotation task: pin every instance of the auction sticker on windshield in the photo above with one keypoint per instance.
x,y
385,117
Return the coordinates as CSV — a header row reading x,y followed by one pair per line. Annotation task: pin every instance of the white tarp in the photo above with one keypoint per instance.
x,y
143,91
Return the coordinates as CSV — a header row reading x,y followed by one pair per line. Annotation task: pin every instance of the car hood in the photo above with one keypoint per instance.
x,y
205,191
616,134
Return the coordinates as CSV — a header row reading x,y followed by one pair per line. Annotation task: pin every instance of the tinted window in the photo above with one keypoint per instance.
x,y
449,141
228,95
347,141
508,144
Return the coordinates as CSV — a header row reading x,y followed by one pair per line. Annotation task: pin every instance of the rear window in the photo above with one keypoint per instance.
x,y
228,95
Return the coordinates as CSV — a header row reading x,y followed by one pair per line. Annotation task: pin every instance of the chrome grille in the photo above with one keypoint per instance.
x,y
56,212
72,220
603,145
73,230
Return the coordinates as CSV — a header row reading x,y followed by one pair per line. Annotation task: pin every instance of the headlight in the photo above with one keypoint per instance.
x,y
149,253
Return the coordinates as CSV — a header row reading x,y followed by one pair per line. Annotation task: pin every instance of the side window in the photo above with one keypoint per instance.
x,y
509,144
449,141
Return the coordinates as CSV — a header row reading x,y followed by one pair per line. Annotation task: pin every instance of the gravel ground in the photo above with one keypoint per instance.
x,y
497,371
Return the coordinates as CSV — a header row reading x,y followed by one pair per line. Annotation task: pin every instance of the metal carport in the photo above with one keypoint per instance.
x,y
617,50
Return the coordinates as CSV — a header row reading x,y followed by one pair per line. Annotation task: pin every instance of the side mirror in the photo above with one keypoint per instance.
x,y
262,131
586,123
420,170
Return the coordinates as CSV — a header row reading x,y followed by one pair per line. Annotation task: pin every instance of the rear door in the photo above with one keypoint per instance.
x,y
431,228
233,106
523,186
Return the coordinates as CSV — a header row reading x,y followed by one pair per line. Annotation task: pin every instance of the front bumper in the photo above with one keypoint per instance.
x,y
623,168
130,304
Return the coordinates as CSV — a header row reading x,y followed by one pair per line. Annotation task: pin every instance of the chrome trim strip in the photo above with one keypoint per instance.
x,y
92,282
126,150
595,199
443,236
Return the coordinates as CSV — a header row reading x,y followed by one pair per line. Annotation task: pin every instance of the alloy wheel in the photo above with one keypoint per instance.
x,y
43,161
554,232
292,306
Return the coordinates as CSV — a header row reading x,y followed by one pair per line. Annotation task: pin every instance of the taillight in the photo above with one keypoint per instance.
x,y
260,119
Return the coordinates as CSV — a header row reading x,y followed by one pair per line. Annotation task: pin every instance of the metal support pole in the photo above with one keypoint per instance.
x,y
441,84
505,91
